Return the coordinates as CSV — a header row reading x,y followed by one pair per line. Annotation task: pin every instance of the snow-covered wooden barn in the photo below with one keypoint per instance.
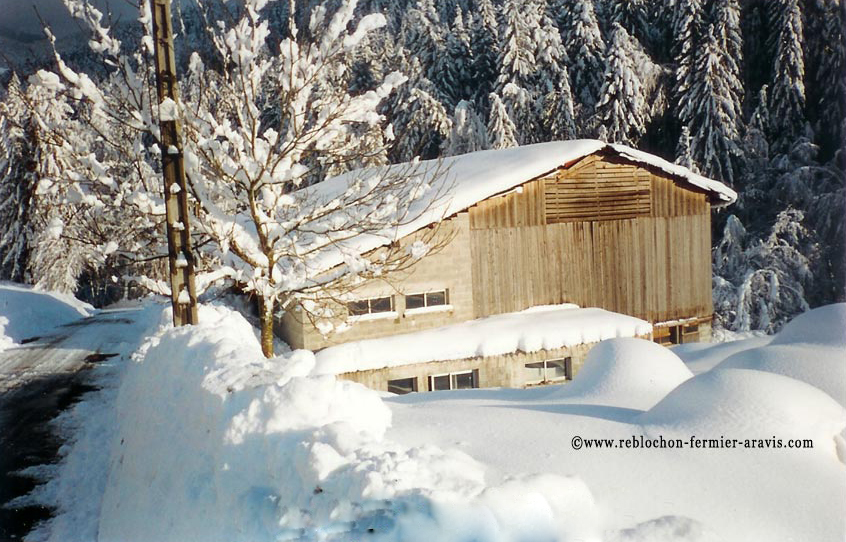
x,y
550,225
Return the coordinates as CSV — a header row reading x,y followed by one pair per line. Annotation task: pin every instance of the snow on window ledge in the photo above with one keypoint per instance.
x,y
427,310
372,316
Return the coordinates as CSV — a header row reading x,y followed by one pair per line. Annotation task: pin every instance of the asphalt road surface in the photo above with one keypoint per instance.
x,y
38,381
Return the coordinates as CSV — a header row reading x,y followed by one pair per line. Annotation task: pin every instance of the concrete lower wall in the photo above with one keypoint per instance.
x,y
505,371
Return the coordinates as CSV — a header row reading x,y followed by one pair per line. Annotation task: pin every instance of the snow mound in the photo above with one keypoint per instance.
x,y
811,348
627,372
26,313
825,325
216,443
740,403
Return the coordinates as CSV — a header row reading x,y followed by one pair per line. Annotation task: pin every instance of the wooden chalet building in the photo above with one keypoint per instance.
x,y
581,222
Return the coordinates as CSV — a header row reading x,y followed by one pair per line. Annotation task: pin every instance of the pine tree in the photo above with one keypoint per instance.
x,y
713,117
687,36
552,84
502,133
621,109
484,44
453,67
585,49
468,133
517,58
826,64
422,35
787,92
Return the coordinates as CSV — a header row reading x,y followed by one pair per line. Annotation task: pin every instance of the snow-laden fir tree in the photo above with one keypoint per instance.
x,y
787,91
422,35
421,124
453,67
826,63
712,112
585,51
468,133
688,22
520,22
484,45
502,133
253,132
622,106
552,85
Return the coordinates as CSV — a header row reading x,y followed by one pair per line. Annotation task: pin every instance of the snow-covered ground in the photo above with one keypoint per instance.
x,y
201,438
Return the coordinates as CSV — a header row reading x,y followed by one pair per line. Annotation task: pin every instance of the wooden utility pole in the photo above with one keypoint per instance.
x,y
180,255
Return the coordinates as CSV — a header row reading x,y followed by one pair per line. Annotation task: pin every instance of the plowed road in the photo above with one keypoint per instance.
x,y
37,381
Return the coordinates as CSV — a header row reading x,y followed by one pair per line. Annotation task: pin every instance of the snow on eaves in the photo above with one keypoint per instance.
x,y
538,328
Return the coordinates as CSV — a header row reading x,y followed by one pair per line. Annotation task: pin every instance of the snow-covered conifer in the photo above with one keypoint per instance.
x,y
468,133
585,50
622,106
453,66
517,53
484,44
787,91
502,133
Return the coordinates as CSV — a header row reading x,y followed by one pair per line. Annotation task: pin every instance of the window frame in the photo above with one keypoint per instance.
x,y
568,371
474,375
427,305
415,385
370,311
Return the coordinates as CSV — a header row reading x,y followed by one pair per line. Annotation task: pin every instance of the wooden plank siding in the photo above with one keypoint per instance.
x,y
648,260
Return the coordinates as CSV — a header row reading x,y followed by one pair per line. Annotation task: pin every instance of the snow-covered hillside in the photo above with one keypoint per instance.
x,y
211,441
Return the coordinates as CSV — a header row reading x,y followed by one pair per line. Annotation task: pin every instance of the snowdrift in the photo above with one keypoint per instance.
x,y
811,348
627,372
215,443
751,404
26,313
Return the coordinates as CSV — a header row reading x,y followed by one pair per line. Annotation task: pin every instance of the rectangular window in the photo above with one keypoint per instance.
x,y
402,386
551,370
464,380
439,383
370,306
428,299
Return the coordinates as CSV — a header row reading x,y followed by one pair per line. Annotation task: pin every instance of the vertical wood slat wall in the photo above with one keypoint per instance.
x,y
654,265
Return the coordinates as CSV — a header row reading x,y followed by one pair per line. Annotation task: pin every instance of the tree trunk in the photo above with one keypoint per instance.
x,y
266,315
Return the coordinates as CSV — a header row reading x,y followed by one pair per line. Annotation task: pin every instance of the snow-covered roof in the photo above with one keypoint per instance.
x,y
539,328
456,183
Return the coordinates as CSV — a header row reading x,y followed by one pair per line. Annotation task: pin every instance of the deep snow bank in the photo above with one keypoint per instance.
x,y
811,348
25,312
216,443
750,404
626,372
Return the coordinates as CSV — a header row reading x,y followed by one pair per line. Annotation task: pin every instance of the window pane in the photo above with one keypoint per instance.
x,y
464,381
556,369
533,372
414,301
438,383
435,298
380,304
402,386
358,307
